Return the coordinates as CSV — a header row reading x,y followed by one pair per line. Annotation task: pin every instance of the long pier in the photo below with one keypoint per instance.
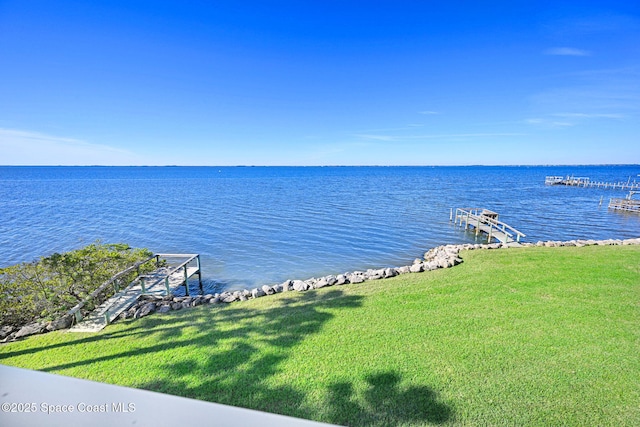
x,y
161,281
486,221
586,182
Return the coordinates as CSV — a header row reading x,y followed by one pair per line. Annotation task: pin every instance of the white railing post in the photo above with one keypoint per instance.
x,y
186,280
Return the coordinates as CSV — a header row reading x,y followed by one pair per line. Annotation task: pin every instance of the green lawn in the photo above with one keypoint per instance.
x,y
534,336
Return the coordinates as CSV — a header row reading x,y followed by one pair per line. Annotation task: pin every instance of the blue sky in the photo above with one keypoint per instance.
x,y
319,82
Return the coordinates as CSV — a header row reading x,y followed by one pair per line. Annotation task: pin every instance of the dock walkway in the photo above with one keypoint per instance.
x,y
486,221
586,182
161,281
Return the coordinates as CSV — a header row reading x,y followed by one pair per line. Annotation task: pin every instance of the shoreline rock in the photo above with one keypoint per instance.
x,y
444,256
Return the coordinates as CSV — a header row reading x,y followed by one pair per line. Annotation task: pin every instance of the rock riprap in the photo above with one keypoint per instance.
x,y
445,256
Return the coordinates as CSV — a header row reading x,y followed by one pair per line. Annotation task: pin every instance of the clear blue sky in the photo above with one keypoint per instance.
x,y
319,82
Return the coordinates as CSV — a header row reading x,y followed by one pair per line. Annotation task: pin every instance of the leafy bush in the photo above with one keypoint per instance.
x,y
47,288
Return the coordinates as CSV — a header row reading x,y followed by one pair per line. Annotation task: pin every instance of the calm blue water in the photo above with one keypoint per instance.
x,y
256,225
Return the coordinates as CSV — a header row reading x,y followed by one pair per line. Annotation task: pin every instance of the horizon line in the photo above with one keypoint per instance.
x,y
322,166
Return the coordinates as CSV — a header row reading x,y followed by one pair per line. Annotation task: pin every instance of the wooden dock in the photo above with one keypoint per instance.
x,y
627,204
486,221
161,281
586,182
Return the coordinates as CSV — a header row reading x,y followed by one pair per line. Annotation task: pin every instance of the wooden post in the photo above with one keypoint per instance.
x,y
451,215
199,275
186,281
490,230
142,284
166,285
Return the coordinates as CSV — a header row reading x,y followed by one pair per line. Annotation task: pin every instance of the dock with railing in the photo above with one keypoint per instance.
x,y
171,271
487,222
586,182
628,204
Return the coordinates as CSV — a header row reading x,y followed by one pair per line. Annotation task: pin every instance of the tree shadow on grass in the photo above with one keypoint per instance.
x,y
230,354
385,403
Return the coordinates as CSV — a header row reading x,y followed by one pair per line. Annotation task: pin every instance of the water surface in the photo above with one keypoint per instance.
x,y
257,225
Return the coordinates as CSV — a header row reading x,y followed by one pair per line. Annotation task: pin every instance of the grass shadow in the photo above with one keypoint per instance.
x,y
385,403
229,354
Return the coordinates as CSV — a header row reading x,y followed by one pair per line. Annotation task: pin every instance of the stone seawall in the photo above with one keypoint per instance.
x,y
444,256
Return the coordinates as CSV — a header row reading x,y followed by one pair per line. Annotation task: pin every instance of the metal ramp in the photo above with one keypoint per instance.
x,y
158,282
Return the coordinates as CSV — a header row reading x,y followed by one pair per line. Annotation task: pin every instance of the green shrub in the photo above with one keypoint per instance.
x,y
45,289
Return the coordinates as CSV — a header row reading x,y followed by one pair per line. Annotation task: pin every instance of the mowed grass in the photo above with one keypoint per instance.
x,y
533,336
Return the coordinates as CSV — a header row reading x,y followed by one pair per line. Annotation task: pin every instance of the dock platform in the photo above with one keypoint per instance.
x,y
175,271
487,222
628,204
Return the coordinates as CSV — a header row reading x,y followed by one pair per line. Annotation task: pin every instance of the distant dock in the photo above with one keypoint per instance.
x,y
486,221
586,182
629,204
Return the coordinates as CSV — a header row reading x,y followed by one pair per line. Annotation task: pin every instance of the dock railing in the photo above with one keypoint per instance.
x,y
183,266
113,281
628,204
485,220
141,279
586,182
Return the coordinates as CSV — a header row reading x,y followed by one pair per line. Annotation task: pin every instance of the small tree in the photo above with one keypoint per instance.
x,y
47,288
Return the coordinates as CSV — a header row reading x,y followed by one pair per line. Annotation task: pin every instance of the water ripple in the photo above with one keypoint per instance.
x,y
264,225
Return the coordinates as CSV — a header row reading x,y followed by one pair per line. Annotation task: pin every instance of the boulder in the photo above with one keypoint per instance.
x,y
356,278
321,283
287,285
416,268
300,286
341,279
442,262
403,270
268,290
374,274
146,309
62,323
390,272
228,298
5,331
163,309
257,293
176,306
